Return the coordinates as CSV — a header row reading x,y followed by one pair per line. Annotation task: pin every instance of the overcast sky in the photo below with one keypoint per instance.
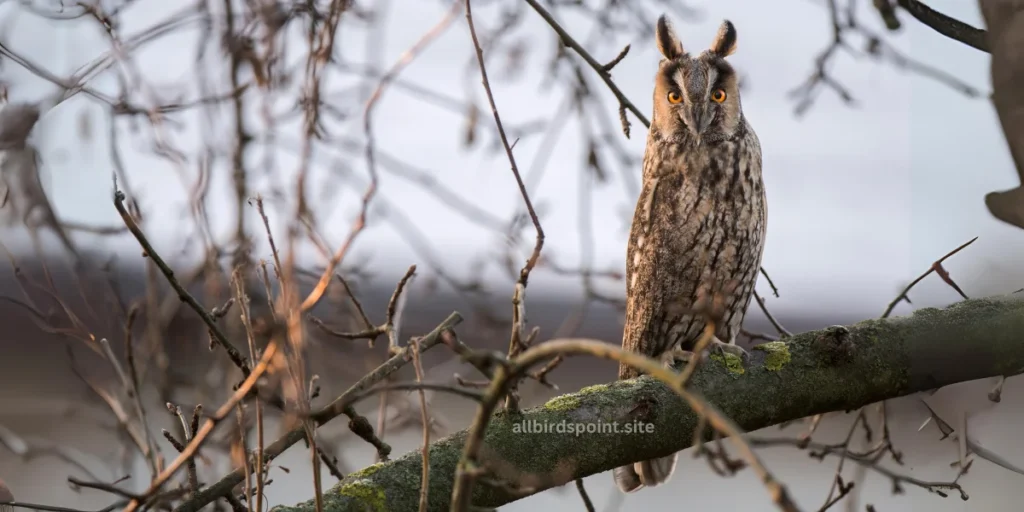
x,y
861,199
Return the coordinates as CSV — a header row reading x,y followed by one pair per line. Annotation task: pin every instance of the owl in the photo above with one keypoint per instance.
x,y
699,225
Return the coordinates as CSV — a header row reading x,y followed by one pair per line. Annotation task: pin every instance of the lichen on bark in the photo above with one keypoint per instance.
x,y
777,355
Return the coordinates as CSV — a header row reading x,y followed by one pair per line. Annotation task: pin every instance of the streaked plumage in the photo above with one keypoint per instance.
x,y
699,224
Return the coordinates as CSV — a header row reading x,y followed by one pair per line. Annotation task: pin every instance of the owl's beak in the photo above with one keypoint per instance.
x,y
699,120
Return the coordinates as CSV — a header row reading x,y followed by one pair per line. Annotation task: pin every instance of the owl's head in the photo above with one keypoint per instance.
x,y
696,97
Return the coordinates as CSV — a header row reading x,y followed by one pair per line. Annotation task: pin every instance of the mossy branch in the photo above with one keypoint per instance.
x,y
838,368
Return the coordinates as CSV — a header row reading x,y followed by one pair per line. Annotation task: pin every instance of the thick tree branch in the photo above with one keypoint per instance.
x,y
839,368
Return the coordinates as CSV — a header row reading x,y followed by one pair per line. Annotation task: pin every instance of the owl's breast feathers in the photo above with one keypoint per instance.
x,y
698,227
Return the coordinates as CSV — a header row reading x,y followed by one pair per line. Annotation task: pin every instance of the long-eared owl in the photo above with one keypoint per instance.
x,y
699,225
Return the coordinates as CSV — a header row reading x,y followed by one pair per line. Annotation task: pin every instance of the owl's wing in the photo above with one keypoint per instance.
x,y
663,268
650,310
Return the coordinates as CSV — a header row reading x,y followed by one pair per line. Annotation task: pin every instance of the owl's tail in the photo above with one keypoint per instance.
x,y
648,473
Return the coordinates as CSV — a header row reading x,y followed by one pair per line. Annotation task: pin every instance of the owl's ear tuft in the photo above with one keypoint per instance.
x,y
724,44
668,43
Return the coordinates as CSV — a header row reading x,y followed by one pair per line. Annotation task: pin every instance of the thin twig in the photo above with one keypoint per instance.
x,y
183,294
583,490
783,333
425,416
519,296
935,267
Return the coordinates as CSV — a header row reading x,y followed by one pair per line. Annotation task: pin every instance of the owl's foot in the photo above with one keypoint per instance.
x,y
721,348
677,358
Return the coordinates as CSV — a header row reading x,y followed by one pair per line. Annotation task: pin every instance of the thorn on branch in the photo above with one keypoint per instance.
x,y
935,267
944,275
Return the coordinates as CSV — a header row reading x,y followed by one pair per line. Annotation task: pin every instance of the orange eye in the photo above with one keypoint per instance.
x,y
674,97
718,96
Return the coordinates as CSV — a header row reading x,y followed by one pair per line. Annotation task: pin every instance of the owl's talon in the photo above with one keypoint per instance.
x,y
677,358
722,348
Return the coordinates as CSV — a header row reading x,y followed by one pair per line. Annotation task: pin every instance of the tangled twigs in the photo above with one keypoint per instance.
x,y
188,429
470,465
821,450
388,328
805,93
484,363
372,332
197,439
839,489
360,223
148,251
885,444
340,405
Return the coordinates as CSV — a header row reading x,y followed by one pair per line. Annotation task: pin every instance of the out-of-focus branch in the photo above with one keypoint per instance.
x,y
847,29
218,335
812,373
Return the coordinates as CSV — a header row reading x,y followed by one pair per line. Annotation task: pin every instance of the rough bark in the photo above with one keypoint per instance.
x,y
834,369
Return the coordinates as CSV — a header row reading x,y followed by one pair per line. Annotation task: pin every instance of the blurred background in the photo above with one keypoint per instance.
x,y
874,169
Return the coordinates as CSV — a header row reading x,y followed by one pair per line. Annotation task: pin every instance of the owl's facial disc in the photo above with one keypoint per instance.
x,y
695,80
